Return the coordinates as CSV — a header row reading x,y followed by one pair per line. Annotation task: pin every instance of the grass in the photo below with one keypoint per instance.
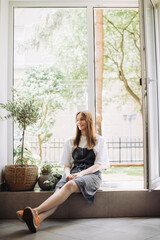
x,y
130,171
118,173
127,173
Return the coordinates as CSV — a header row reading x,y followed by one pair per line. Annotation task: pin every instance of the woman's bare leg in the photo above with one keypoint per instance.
x,y
34,217
44,215
49,206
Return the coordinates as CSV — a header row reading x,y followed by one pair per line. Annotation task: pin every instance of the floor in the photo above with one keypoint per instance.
x,y
78,229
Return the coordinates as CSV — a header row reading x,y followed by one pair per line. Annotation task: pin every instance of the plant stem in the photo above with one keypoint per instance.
x,y
40,147
22,148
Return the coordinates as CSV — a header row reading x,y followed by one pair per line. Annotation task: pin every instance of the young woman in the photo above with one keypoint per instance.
x,y
83,159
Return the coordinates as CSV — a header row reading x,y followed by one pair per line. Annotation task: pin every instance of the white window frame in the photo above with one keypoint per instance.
x,y
152,178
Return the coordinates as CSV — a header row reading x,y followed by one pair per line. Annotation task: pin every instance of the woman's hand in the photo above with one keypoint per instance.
x,y
76,175
67,171
69,177
72,176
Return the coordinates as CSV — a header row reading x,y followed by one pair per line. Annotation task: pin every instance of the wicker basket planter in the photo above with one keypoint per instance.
x,y
19,178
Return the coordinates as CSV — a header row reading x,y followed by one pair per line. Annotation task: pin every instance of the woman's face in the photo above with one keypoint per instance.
x,y
81,122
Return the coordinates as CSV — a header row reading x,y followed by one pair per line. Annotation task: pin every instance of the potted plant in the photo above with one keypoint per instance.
x,y
25,112
48,178
56,173
46,168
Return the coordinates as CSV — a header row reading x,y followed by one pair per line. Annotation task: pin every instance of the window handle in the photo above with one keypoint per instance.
x,y
140,81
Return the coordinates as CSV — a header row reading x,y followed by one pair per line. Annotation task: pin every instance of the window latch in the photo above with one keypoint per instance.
x,y
150,80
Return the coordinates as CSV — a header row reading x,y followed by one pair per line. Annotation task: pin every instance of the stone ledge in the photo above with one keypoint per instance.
x,y
141,203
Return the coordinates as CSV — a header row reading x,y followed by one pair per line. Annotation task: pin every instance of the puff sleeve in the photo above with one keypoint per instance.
x,y
66,156
101,153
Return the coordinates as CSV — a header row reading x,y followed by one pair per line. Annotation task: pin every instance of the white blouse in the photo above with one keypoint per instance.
x,y
99,150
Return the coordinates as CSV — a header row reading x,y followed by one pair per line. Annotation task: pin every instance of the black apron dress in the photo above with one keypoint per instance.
x,y
88,184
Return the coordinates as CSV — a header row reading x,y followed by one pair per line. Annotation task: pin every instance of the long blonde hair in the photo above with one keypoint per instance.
x,y
90,131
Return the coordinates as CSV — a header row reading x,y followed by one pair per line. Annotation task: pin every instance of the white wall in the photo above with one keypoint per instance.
x,y
3,82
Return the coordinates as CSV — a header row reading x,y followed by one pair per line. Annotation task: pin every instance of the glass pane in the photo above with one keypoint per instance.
x,y
50,63
118,93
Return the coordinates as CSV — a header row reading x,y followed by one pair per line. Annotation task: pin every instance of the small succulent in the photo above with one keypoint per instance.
x,y
46,168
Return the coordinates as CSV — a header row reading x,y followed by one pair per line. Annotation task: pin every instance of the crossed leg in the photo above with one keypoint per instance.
x,y
49,206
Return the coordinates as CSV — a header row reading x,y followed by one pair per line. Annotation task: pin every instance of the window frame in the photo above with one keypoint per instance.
x,y
151,180
6,56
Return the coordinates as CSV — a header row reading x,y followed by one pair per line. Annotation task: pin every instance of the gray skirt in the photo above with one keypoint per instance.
x,y
88,184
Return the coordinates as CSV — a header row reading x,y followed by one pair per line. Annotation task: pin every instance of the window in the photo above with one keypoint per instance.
x,y
50,64
20,63
118,92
